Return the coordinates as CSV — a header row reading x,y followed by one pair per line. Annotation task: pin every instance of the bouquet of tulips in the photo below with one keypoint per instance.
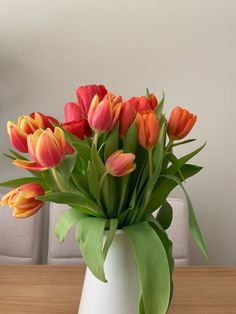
x,y
113,162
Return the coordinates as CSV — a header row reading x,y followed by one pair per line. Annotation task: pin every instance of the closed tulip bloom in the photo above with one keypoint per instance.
x,y
47,149
23,200
144,103
148,128
180,123
19,132
86,93
127,116
120,164
103,116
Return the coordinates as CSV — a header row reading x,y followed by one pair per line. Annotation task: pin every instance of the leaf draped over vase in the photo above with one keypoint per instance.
x,y
113,162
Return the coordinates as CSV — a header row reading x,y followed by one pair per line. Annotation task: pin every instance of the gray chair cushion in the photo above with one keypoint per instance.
x,y
20,239
68,252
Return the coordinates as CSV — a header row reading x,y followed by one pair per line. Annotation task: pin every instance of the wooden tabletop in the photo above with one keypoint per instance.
x,y
56,289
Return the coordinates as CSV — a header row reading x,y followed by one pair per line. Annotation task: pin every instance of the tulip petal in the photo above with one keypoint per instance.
x,y
17,136
19,213
29,165
30,190
188,127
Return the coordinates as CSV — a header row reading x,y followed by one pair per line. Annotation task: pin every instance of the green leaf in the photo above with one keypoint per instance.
x,y
18,182
112,141
89,235
17,155
110,235
183,142
82,183
67,166
165,215
97,162
160,106
66,221
164,186
93,182
193,224
131,140
177,165
152,265
168,248
74,199
83,150
8,156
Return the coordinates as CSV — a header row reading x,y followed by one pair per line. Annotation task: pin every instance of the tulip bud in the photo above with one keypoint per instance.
x,y
85,95
46,148
180,123
23,200
148,129
103,116
127,116
120,164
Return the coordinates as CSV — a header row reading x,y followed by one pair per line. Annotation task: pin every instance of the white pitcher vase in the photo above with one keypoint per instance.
x,y
120,294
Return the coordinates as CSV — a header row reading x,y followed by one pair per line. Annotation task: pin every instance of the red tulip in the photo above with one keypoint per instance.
x,y
86,93
73,111
46,148
127,116
103,116
148,129
23,200
120,164
180,123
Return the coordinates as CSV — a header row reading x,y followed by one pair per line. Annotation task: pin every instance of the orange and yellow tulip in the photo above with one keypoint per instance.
x,y
47,149
120,164
23,200
148,128
180,123
103,115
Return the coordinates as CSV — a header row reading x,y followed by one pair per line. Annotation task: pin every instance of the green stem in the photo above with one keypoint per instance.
x,y
169,146
95,139
61,185
150,163
102,179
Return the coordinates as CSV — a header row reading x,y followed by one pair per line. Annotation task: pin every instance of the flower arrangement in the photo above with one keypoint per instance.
x,y
113,162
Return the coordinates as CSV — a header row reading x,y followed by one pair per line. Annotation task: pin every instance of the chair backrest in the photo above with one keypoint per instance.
x,y
20,239
68,252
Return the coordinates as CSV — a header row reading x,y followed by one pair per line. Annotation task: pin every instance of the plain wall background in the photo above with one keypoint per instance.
x,y
185,47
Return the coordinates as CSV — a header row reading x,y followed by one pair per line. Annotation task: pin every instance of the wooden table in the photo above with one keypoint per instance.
x,y
56,289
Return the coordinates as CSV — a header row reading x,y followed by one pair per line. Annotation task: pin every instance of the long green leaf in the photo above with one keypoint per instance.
x,y
66,221
89,235
73,199
160,106
110,235
193,224
152,265
67,166
164,186
130,140
18,182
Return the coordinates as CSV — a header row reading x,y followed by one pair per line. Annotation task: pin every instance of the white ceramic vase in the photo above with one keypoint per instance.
x,y
120,294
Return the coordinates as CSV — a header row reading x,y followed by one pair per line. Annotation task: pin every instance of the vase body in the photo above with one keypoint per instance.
x,y
120,294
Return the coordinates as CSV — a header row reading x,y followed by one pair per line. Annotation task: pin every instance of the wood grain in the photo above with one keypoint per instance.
x,y
56,289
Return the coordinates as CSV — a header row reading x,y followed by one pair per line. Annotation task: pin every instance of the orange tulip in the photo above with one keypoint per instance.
x,y
144,103
46,148
180,123
23,200
127,116
148,129
103,116
120,164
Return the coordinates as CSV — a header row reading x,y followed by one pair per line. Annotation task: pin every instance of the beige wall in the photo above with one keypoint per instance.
x,y
186,47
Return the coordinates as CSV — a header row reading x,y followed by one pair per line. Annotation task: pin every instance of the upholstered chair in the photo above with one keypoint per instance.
x,y
68,252
20,239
